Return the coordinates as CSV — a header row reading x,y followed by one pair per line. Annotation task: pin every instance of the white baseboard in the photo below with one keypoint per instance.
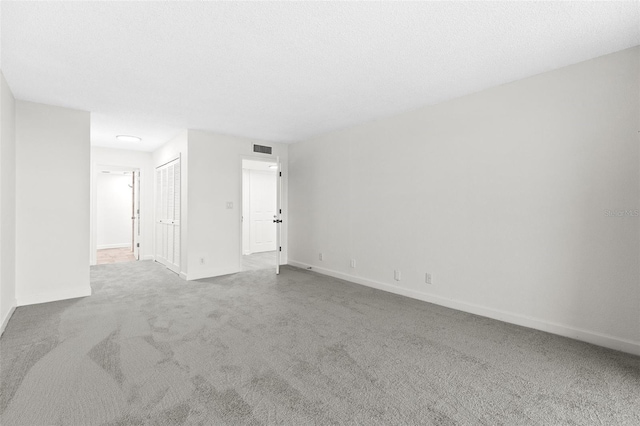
x,y
209,273
110,246
7,317
71,293
148,257
595,338
183,275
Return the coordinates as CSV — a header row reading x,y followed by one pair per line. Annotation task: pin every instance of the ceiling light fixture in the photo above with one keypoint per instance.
x,y
128,138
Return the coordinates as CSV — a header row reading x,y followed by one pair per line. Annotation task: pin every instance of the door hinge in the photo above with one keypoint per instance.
x,y
280,248
138,245
280,211
280,174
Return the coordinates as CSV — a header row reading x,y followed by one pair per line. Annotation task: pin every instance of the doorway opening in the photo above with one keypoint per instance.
x,y
117,215
259,215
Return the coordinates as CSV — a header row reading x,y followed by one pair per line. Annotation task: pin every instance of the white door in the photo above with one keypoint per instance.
x,y
168,215
263,206
277,219
246,203
135,214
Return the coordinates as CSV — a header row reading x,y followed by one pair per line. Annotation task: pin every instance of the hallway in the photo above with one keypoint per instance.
x,y
115,255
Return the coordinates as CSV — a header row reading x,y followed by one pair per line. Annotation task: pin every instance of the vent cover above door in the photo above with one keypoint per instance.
x,y
262,149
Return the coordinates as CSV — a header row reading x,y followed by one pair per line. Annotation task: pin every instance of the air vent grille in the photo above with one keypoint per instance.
x,y
262,149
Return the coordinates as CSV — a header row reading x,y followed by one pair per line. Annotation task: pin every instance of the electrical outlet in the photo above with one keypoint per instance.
x,y
427,278
229,205
396,275
202,260
353,263
320,256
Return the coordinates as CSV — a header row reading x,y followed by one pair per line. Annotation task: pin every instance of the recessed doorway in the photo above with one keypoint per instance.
x,y
117,215
259,212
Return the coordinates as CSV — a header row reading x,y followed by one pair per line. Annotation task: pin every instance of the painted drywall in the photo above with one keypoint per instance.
x,y
177,148
52,203
125,159
215,179
520,200
114,210
246,201
7,203
287,71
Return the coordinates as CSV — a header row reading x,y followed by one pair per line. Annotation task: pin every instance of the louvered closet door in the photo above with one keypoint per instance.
x,y
168,215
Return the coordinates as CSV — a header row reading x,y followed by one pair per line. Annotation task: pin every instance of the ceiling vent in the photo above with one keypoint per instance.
x,y
262,149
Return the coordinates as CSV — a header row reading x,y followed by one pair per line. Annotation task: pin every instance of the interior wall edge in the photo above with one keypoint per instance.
x,y
53,163
7,317
588,336
210,273
7,202
69,293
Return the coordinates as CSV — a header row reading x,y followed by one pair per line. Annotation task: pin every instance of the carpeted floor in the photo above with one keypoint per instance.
x,y
263,260
299,348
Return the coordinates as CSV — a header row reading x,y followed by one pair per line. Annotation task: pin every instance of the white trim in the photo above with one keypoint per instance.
x,y
592,337
183,275
6,319
148,257
71,293
212,273
110,246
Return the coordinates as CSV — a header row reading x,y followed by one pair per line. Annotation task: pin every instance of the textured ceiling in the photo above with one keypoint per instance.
x,y
286,71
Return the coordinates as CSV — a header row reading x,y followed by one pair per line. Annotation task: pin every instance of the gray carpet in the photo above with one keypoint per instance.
x,y
300,348
263,260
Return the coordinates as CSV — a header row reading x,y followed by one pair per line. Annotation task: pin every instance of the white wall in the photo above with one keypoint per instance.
x,y
246,202
52,203
501,195
177,148
7,203
114,210
118,158
215,178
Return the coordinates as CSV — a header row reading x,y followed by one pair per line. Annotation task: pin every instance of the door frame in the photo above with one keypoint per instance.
x,y
93,219
279,242
136,229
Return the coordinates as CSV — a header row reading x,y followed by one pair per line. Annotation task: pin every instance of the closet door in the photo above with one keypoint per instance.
x,y
160,242
176,216
168,215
